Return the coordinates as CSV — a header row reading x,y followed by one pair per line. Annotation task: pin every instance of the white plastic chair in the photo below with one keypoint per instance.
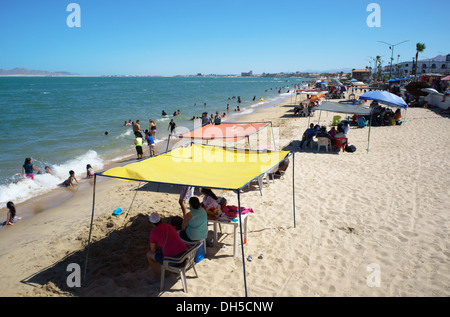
x,y
270,174
180,265
323,142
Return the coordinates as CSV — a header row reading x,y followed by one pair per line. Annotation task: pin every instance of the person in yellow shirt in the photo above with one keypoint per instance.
x,y
138,141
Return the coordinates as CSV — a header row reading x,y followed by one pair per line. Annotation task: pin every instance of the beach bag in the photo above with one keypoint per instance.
x,y
350,148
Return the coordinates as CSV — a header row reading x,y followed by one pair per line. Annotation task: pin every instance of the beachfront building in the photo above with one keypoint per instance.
x,y
245,74
361,74
437,65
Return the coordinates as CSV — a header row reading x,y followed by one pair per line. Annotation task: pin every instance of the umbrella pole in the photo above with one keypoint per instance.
x,y
242,241
90,227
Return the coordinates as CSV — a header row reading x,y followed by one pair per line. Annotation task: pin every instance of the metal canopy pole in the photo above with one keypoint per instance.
x,y
293,185
370,125
90,227
242,241
273,137
168,141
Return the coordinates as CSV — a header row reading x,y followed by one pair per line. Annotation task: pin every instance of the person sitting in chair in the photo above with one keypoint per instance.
x,y
308,135
398,117
323,134
195,222
340,133
164,242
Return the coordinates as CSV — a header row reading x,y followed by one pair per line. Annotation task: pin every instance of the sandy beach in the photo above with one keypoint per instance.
x,y
357,214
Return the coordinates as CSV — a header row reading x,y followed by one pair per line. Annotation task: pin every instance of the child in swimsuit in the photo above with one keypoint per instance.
x,y
12,216
69,181
89,171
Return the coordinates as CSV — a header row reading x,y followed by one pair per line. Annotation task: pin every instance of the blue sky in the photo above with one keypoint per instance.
x,y
147,37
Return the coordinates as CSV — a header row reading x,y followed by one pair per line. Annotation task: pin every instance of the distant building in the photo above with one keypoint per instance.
x,y
249,74
437,65
361,74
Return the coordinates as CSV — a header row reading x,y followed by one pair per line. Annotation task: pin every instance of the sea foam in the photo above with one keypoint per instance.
x,y
21,189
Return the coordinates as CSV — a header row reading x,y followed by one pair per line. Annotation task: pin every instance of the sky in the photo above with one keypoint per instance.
x,y
184,37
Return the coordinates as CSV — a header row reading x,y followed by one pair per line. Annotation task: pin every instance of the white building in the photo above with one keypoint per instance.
x,y
437,65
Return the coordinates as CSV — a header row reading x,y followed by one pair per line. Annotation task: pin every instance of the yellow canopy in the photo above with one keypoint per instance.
x,y
201,166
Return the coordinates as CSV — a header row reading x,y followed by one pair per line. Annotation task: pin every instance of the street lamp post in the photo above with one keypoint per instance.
x,y
391,47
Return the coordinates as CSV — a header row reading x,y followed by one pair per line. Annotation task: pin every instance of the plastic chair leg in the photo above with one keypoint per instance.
x,y
183,280
161,284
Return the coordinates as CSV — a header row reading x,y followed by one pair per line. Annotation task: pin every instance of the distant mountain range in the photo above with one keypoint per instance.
x,y
28,72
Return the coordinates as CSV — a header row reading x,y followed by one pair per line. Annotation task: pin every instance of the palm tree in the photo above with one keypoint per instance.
x,y
420,47
378,63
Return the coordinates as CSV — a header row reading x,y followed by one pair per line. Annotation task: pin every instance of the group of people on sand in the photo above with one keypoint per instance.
x,y
321,132
172,238
384,116
304,110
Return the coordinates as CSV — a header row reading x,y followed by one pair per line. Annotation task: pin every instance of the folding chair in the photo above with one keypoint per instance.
x,y
180,265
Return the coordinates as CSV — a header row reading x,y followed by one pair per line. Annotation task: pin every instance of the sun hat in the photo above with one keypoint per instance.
x,y
117,211
155,217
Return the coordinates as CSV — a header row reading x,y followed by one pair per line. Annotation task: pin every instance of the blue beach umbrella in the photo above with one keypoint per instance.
x,y
385,97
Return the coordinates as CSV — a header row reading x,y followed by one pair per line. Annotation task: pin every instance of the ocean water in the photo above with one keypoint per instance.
x,y
61,122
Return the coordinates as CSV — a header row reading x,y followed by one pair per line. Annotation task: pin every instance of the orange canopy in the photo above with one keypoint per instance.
x,y
225,131
316,97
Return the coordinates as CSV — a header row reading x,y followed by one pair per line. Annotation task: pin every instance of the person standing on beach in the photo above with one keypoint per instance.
x,y
172,126
217,119
28,168
11,217
137,127
138,141
153,129
205,119
186,193
151,145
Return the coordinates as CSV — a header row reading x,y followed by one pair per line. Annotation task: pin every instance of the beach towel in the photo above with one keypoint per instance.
x,y
232,211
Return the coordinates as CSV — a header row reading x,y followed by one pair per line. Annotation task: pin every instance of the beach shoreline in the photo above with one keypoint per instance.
x,y
386,209
57,196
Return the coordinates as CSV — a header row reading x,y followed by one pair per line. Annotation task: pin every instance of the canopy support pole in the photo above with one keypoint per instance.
x,y
168,142
370,125
242,241
90,227
248,141
273,137
293,185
